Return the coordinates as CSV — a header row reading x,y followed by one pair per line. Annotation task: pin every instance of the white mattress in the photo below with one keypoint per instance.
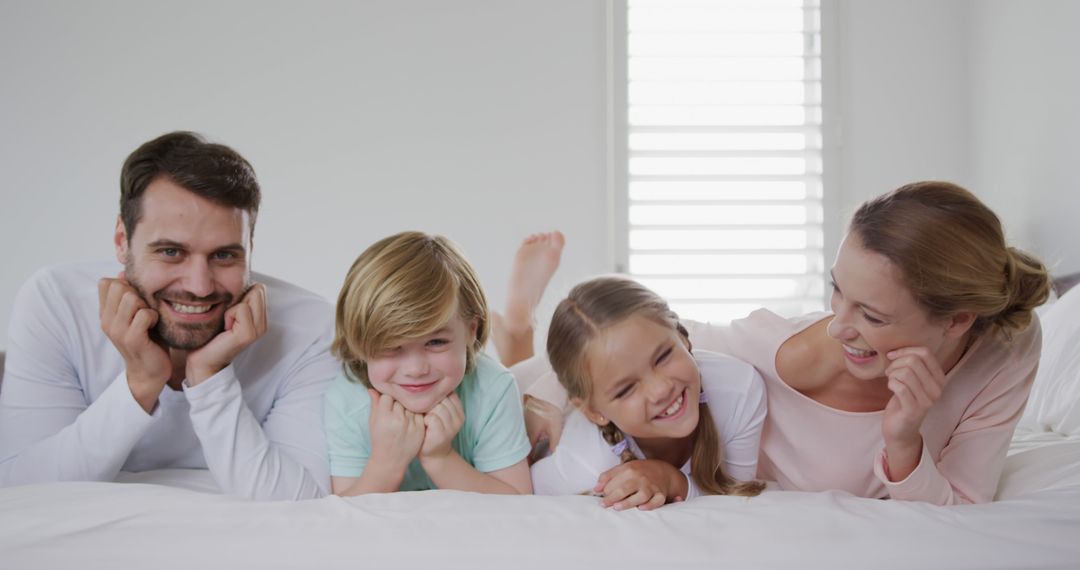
x,y
173,519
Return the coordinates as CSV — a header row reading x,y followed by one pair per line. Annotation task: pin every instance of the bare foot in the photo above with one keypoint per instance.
x,y
534,264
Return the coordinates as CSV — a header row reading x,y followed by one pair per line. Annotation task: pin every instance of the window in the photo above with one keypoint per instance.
x,y
722,196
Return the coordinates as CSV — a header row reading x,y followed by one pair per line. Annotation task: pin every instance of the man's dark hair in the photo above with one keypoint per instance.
x,y
213,171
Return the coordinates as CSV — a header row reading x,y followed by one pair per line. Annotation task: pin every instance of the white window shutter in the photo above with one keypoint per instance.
x,y
724,189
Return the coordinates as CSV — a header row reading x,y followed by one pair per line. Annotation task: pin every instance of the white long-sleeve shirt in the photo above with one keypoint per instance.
x,y
736,399
67,413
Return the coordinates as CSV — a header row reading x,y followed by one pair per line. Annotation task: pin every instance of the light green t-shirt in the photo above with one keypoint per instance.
x,y
492,437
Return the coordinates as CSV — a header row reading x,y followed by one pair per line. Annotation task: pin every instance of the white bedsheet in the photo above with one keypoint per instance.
x,y
173,520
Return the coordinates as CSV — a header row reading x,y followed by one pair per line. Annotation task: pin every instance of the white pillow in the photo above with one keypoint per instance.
x,y
1054,404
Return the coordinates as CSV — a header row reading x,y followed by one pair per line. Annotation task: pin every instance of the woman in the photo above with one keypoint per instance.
x,y
912,386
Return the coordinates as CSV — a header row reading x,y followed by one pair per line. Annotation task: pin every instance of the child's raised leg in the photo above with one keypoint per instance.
x,y
534,264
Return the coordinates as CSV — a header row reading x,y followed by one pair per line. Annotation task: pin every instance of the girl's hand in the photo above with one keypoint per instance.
x,y
443,422
916,381
396,433
642,483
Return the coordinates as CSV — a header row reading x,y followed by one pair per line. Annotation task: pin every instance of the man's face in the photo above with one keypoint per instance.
x,y
188,259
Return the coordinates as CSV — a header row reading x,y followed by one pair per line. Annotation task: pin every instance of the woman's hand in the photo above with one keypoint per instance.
x,y
642,483
916,380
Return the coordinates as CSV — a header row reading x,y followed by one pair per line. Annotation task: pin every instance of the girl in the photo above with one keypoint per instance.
x,y
417,405
643,433
912,386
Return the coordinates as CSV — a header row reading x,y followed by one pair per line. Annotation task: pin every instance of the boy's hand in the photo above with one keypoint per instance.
x,y
443,422
642,483
396,433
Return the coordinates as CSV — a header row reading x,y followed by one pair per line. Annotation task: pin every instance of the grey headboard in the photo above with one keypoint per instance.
x,y
1066,282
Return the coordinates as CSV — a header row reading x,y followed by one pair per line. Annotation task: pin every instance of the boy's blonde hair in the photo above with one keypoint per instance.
x,y
401,288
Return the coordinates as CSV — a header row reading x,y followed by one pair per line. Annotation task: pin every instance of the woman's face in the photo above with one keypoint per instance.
x,y
875,313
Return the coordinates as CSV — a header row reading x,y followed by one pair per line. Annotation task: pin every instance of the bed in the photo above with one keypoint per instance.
x,y
176,519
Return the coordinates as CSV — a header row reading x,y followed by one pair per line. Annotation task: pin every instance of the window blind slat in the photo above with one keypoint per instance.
x,y
733,153
726,178
772,227
721,202
805,129
732,251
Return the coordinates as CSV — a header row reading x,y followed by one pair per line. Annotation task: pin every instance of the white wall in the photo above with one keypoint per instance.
x,y
480,120
1026,136
484,120
980,92
903,91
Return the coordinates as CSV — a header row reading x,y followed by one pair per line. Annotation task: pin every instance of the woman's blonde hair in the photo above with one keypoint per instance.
x,y
598,304
404,287
951,252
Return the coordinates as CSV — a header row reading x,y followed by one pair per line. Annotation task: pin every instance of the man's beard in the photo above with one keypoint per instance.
x,y
180,335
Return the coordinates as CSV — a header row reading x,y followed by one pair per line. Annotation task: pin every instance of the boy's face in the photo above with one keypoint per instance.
x,y
421,372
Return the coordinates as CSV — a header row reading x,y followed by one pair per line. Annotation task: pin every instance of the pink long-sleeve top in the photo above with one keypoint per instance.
x,y
808,446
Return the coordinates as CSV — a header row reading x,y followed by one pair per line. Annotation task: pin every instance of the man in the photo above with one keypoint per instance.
x,y
178,360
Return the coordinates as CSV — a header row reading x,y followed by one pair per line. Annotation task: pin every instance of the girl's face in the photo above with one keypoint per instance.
x,y
875,313
643,379
421,372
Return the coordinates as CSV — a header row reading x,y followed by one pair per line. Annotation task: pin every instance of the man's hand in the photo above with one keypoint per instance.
x,y
396,433
642,483
443,422
245,322
126,319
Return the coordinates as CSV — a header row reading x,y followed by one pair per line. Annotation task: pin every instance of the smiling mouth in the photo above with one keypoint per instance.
x,y
859,353
674,408
191,306
190,309
417,388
